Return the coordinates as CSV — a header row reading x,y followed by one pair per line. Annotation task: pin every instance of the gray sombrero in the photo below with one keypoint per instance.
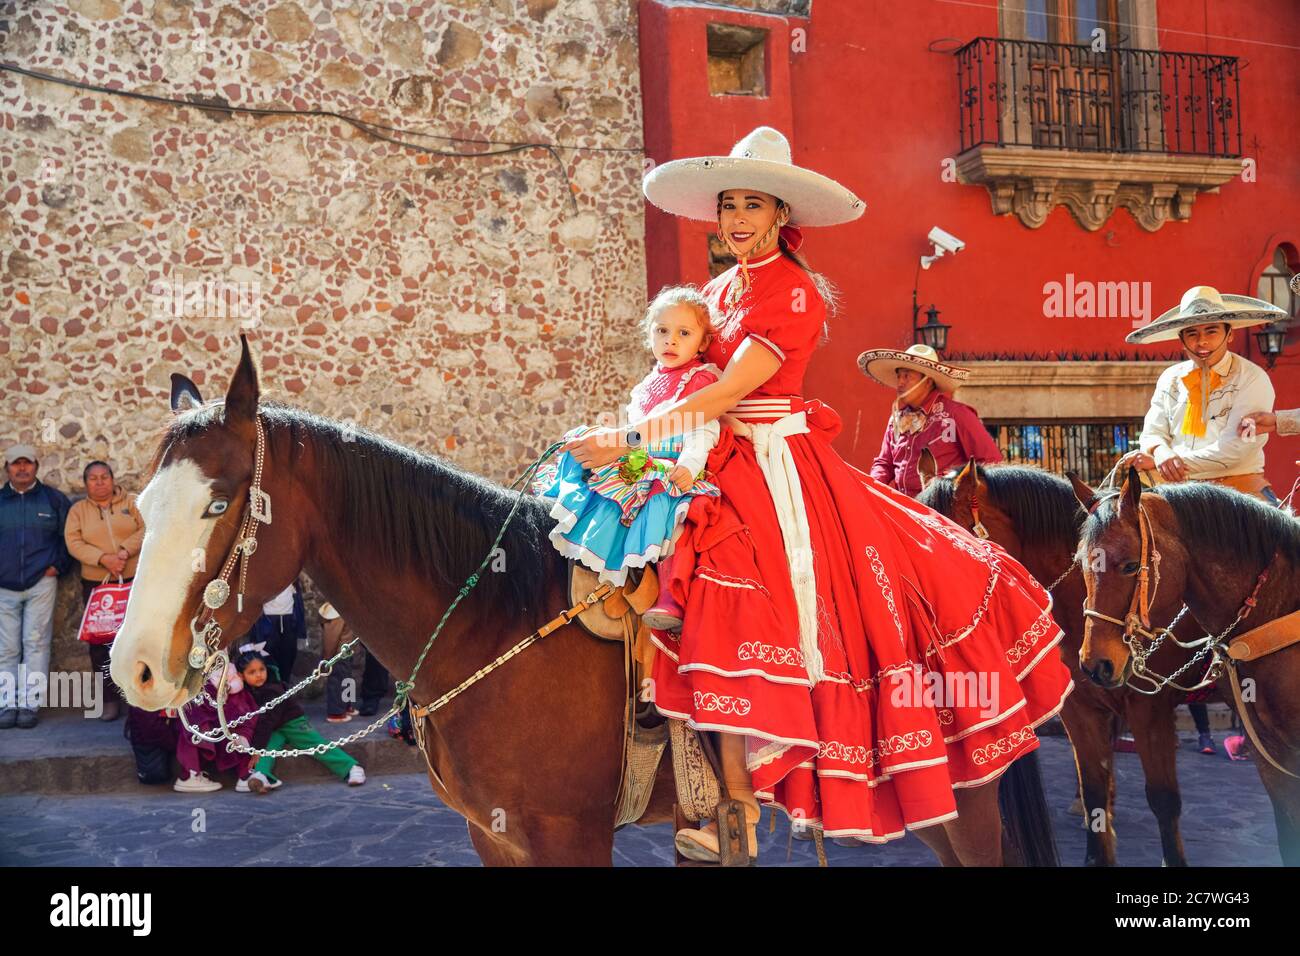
x,y
881,364
690,187
1204,305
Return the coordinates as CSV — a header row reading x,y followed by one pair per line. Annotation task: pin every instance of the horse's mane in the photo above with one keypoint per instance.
x,y
1214,519
1041,504
404,510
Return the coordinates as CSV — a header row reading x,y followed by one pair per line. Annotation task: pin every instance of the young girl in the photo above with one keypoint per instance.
x,y
629,513
203,716
285,726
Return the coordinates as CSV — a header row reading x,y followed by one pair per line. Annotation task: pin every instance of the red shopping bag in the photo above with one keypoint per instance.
x,y
104,612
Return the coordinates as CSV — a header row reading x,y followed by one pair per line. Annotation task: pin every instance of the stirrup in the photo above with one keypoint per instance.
x,y
702,845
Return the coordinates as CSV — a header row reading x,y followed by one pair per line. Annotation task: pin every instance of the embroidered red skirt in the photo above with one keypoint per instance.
x,y
939,650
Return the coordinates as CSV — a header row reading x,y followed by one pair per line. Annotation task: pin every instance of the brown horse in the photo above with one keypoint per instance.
x,y
531,754
1235,562
1037,518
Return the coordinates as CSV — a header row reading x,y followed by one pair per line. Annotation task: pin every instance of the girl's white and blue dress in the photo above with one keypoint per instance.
x,y
610,524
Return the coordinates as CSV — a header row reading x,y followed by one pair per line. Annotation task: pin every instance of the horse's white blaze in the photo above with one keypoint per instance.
x,y
172,506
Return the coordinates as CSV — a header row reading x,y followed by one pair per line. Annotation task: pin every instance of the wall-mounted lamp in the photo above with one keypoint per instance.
x,y
934,333
1271,339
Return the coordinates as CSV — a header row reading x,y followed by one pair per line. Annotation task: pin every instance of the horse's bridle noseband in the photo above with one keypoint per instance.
x,y
205,632
1137,622
1143,640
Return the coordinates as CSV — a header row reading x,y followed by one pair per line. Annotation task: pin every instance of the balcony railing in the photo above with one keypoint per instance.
x,y
1059,96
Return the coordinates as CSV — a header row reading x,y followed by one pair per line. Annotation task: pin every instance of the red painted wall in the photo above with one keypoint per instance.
x,y
869,104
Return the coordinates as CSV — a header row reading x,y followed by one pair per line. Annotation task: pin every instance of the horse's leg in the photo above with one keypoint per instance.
x,y
566,841
936,838
494,851
1284,793
1090,725
976,834
1151,718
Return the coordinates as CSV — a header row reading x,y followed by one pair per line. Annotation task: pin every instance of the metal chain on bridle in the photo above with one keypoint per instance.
x,y
208,657
1143,640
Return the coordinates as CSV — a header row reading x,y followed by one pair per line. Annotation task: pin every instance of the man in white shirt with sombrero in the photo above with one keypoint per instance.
x,y
1191,430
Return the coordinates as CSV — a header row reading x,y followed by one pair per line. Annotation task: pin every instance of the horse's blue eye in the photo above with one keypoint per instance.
x,y
217,507
1130,567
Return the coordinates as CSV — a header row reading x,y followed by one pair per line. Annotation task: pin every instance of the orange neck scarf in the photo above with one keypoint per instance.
x,y
1200,383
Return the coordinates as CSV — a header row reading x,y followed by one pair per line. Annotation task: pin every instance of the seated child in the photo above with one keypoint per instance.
x,y
630,512
285,727
203,716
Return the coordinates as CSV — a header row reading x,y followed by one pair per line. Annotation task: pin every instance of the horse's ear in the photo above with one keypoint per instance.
x,y
927,467
1086,495
1130,496
970,480
185,394
242,395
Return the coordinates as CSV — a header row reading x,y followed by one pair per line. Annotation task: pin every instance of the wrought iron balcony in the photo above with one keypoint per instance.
x,y
1025,93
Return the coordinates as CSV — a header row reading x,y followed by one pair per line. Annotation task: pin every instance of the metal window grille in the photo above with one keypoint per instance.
x,y
1069,96
1089,448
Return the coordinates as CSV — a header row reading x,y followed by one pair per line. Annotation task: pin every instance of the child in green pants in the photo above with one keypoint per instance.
x,y
284,726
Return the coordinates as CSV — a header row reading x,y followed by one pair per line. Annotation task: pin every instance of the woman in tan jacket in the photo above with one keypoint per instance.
x,y
104,532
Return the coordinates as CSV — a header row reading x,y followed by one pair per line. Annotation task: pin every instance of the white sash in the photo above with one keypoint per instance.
x,y
777,464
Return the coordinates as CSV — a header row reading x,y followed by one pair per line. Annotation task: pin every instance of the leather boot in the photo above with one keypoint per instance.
x,y
702,845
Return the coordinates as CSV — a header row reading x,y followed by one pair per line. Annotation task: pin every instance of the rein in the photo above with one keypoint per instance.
x,y
206,655
980,531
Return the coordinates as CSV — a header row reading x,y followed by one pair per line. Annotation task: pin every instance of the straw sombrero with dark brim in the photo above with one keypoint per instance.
x,y
1205,305
761,161
882,364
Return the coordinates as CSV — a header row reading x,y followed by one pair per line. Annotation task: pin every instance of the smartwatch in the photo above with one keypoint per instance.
x,y
633,438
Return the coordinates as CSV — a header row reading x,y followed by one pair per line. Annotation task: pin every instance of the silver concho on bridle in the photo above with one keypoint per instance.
x,y
216,593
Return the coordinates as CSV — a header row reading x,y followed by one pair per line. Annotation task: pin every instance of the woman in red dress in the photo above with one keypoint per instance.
x,y
863,657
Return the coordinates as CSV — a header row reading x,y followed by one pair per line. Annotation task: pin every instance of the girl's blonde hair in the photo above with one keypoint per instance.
x,y
682,295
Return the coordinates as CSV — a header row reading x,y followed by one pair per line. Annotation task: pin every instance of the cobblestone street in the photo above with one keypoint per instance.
x,y
395,820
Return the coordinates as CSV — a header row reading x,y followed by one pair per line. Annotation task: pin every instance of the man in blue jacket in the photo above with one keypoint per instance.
x,y
32,556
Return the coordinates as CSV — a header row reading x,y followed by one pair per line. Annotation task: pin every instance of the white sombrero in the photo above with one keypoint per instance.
x,y
882,364
690,187
1203,305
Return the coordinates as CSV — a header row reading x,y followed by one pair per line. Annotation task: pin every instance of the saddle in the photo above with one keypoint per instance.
x,y
646,733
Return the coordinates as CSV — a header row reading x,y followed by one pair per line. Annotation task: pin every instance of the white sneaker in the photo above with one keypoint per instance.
x,y
259,782
195,783
242,785
356,776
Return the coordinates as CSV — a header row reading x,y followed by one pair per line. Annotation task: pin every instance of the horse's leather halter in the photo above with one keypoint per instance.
x,y
1137,625
1138,619
204,629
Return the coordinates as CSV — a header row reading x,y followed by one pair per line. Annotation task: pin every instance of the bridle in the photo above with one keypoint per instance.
x,y
206,653
1143,640
978,529
205,632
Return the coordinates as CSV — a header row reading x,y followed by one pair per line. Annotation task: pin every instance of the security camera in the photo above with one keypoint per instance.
x,y
943,242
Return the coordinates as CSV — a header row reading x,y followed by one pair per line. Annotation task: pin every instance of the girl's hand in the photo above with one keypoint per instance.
x,y
681,477
599,447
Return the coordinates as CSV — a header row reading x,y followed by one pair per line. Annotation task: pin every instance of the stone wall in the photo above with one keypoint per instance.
x,y
475,307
